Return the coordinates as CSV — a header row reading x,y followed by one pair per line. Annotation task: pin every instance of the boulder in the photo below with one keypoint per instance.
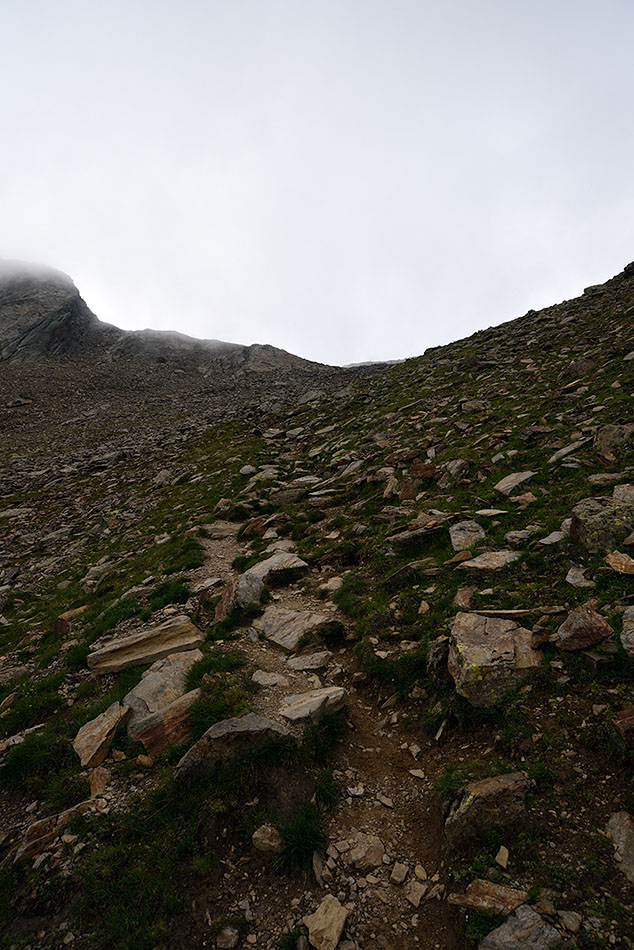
x,y
523,930
178,634
620,831
582,628
166,727
225,740
92,742
491,560
465,535
494,803
159,686
287,627
278,562
314,704
247,591
600,524
326,925
509,483
489,657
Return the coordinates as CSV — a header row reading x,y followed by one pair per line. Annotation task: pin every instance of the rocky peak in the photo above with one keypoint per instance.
x,y
42,314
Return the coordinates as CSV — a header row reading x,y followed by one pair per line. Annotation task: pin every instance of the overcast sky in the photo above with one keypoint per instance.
x,y
347,179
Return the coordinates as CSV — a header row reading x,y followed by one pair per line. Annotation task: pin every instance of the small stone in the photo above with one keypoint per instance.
x,y
267,839
502,857
399,873
414,892
571,920
228,938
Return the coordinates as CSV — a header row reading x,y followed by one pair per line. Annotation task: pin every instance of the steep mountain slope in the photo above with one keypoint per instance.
x,y
96,384
422,581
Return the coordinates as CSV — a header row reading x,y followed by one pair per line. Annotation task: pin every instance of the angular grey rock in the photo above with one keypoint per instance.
x,y
465,534
264,678
92,742
578,577
582,628
314,704
278,562
620,831
326,925
160,686
509,483
177,634
311,661
286,627
600,524
489,657
366,851
226,739
489,804
523,930
491,560
166,727
249,590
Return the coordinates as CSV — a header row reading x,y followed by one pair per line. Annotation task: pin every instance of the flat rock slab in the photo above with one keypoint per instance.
x,y
523,930
493,803
491,560
227,739
286,627
311,661
178,634
509,483
160,686
465,535
620,831
326,925
92,742
284,561
264,678
600,524
166,727
488,898
582,628
314,704
489,657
